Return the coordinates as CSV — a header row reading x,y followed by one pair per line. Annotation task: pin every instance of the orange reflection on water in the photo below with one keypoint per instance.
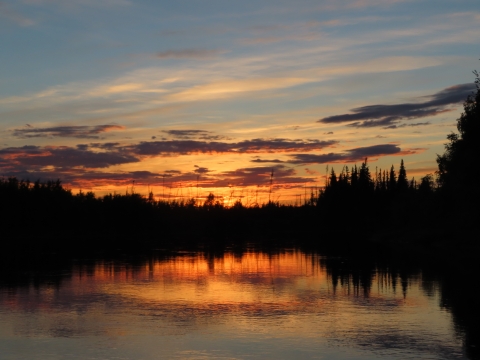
x,y
253,298
251,279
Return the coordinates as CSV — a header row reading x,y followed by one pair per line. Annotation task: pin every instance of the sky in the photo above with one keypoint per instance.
x,y
183,98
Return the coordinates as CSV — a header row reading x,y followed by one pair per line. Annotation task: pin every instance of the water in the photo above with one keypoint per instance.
x,y
289,305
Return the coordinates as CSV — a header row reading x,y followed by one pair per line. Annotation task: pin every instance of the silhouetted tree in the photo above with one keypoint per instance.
x,y
354,177
457,173
392,180
426,184
402,181
333,179
364,177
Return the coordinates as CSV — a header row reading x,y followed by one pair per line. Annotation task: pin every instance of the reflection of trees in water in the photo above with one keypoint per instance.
x,y
455,284
360,274
20,272
459,295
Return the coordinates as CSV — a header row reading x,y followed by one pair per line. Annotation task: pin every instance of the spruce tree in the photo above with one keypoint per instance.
x,y
354,177
392,180
333,179
364,177
402,181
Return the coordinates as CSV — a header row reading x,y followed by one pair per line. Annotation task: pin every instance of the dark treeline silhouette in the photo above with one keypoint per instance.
x,y
357,210
46,217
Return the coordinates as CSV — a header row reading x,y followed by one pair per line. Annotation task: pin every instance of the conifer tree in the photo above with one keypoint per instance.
x,y
392,180
402,181
346,177
364,177
333,179
354,178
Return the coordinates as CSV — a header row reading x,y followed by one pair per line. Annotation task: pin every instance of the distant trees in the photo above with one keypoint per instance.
x,y
360,182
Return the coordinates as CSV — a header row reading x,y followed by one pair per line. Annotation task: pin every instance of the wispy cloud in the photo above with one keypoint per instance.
x,y
356,4
63,157
195,134
274,39
260,176
79,132
198,54
185,147
228,88
79,3
351,155
388,115
182,134
273,161
406,125
14,16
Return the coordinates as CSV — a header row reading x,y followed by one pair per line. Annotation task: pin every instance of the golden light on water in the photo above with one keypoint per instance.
x,y
192,304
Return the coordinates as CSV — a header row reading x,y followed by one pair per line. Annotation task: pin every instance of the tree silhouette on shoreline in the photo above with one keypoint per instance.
x,y
458,174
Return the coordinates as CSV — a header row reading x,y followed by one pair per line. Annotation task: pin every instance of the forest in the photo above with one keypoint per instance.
x,y
357,210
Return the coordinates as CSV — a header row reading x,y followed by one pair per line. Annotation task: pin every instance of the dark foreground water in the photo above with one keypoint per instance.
x,y
288,305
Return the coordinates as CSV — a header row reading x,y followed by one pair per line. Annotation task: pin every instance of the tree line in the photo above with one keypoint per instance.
x,y
384,205
361,181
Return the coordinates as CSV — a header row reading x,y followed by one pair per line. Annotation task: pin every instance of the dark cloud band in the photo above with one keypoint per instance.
x,y
388,115
79,132
356,154
184,147
35,157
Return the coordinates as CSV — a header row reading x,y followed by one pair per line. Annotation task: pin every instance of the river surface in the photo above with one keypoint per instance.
x,y
253,305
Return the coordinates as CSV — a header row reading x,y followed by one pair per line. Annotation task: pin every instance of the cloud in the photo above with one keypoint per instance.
x,y
226,88
198,54
35,157
185,134
89,178
14,16
356,154
80,132
260,176
409,125
311,172
194,134
274,161
387,115
275,39
201,170
74,4
63,161
214,137
184,147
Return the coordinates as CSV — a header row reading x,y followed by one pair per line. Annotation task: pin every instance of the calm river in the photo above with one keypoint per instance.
x,y
289,305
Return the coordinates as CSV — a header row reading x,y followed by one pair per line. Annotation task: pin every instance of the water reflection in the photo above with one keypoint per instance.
x,y
258,305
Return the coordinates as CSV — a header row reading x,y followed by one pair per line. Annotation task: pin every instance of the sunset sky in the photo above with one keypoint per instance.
x,y
217,94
